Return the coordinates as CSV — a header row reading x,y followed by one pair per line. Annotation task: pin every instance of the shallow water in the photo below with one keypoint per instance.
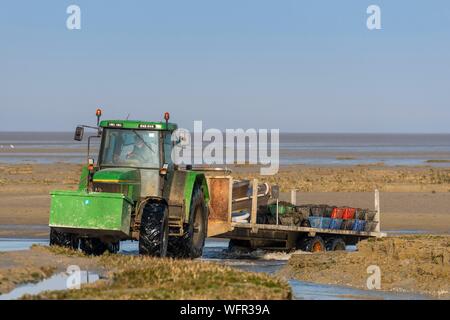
x,y
405,232
295,148
215,251
313,291
7,244
55,282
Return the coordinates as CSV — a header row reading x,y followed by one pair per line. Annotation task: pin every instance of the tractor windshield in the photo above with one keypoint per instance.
x,y
130,148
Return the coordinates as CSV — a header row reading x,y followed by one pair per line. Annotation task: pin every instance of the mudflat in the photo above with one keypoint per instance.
x,y
419,264
412,198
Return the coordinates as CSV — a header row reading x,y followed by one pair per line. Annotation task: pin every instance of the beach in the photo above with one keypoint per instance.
x,y
412,198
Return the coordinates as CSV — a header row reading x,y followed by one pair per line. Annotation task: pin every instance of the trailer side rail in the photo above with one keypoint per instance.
x,y
311,231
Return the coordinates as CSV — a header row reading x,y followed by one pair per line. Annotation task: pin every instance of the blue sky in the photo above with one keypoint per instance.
x,y
301,66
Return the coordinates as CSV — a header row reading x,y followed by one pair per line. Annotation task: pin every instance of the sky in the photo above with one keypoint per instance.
x,y
299,66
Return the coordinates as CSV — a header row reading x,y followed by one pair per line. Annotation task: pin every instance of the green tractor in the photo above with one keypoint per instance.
x,y
133,192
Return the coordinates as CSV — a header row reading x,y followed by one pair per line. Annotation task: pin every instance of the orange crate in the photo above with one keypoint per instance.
x,y
349,213
337,213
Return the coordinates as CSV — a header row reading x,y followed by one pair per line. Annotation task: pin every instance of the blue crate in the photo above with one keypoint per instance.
x,y
319,222
359,225
348,224
336,224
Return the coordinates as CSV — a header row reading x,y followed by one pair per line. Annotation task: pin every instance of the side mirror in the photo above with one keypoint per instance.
x,y
79,132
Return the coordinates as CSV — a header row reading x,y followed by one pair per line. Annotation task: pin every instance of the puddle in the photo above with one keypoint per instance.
x,y
405,232
312,291
129,247
19,244
56,282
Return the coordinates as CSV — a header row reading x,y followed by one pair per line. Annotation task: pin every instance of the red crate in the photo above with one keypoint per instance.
x,y
349,213
337,213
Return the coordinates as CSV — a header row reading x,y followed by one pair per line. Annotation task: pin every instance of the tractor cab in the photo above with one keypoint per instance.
x,y
144,148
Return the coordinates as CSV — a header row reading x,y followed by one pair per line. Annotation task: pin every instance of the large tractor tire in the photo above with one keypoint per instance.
x,y
93,246
315,244
154,232
335,244
63,239
191,244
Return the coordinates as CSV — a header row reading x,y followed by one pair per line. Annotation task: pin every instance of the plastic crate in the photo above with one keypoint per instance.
x,y
319,211
359,225
328,211
337,213
336,224
370,215
349,213
360,214
287,221
319,222
347,224
305,210
282,209
370,226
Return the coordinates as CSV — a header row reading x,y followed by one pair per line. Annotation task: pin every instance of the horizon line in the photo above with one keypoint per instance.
x,y
281,132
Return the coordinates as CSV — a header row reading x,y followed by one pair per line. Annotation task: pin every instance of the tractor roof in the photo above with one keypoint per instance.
x,y
136,124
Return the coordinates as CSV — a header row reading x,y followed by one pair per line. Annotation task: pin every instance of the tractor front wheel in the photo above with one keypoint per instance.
x,y
62,239
154,232
93,246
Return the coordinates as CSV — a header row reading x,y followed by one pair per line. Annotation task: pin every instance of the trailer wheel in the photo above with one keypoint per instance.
x,y
154,231
335,244
315,244
63,239
93,246
191,244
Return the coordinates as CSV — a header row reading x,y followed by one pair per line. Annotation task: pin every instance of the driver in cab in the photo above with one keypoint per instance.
x,y
139,151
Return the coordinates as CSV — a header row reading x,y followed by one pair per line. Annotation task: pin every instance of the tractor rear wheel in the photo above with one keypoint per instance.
x,y
93,246
154,232
191,244
62,239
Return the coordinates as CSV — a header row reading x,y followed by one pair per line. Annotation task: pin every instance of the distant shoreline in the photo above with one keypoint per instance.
x,y
323,149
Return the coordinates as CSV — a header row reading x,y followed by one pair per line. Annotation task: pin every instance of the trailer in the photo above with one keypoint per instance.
x,y
227,197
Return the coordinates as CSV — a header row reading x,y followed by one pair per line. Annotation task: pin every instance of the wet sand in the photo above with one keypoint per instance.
x,y
419,264
423,203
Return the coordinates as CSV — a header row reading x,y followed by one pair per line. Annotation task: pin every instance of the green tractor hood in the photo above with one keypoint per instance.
x,y
118,180
117,175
